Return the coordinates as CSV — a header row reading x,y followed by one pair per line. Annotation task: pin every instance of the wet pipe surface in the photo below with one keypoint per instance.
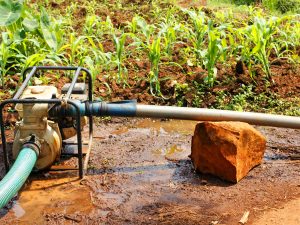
x,y
140,173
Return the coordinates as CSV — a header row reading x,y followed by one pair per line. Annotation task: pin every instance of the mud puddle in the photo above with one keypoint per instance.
x,y
140,173
48,195
146,163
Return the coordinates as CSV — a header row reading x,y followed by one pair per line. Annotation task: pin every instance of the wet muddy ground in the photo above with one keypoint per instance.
x,y
139,173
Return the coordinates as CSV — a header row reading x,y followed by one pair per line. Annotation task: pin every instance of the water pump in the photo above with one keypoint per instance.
x,y
36,127
49,133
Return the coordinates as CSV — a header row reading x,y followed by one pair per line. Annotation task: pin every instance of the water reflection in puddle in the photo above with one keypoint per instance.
x,y
167,151
173,152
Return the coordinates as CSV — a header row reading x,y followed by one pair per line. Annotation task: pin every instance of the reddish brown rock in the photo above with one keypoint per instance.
x,y
228,150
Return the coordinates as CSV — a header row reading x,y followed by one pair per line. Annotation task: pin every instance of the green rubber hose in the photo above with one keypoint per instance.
x,y
17,175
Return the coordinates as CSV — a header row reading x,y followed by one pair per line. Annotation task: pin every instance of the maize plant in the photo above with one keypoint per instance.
x,y
234,45
169,37
168,30
139,24
102,59
216,49
75,52
260,35
97,61
197,34
119,43
90,25
154,54
281,46
33,60
106,27
243,50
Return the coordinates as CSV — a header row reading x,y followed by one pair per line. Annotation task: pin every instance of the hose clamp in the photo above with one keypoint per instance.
x,y
103,109
33,143
88,110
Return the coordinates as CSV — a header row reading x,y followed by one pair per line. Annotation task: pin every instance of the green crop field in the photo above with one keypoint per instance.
x,y
228,54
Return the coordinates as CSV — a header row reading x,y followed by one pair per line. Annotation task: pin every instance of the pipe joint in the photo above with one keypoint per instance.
x,y
33,143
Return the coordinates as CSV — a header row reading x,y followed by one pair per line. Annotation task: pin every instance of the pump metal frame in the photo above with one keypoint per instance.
x,y
16,99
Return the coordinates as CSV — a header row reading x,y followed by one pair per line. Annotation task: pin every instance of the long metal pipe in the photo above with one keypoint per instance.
x,y
202,114
131,109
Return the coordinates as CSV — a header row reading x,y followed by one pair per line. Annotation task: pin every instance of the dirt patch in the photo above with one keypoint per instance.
x,y
52,199
155,189
140,173
191,3
288,214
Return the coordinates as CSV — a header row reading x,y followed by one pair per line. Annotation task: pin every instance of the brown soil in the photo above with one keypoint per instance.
x,y
288,214
140,173
286,83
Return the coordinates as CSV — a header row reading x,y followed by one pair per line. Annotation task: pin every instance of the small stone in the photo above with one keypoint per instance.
x,y
228,150
203,182
244,218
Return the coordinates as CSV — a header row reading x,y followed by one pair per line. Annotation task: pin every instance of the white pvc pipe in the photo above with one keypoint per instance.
x,y
202,114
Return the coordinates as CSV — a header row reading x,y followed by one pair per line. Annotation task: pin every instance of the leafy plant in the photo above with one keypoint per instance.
x,y
216,48
139,23
47,31
75,51
197,34
98,61
260,35
10,12
5,54
119,43
168,32
154,54
180,91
